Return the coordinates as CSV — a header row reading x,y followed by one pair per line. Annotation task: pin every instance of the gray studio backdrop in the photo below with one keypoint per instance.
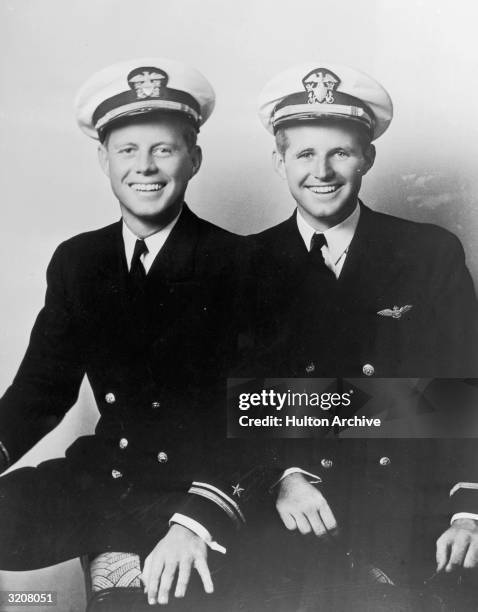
x,y
423,51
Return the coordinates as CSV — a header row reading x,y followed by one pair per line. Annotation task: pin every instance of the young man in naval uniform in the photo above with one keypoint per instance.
x,y
343,291
143,308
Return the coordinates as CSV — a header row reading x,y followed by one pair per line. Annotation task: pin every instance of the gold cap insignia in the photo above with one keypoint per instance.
x,y
147,82
320,84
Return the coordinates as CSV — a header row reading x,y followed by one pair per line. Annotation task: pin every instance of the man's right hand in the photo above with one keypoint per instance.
x,y
302,506
178,553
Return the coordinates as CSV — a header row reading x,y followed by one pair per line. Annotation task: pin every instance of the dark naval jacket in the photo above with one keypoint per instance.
x,y
156,362
403,307
404,304
392,498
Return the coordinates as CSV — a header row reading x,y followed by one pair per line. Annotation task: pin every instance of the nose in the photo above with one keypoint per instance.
x,y
323,169
145,163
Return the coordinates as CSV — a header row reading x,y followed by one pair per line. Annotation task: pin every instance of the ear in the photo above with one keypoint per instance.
x,y
369,156
196,159
103,159
278,163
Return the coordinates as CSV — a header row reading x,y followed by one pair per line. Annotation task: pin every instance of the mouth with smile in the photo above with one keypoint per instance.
x,y
322,189
146,187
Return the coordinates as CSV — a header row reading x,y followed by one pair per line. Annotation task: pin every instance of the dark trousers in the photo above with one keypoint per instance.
x,y
283,571
52,513
55,512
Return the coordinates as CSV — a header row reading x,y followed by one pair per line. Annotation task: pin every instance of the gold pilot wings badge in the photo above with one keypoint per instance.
x,y
396,312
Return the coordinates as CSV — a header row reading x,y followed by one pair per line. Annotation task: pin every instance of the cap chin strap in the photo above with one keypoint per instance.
x,y
303,112
136,108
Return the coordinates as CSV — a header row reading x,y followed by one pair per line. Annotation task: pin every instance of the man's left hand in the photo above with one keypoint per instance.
x,y
178,552
457,547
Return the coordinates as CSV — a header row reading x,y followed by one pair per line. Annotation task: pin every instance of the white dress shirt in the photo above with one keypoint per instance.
x,y
154,243
338,239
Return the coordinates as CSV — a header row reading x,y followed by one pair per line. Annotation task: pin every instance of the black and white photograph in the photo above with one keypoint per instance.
x,y
238,312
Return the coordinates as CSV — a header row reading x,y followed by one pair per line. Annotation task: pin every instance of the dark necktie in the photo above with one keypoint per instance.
x,y
317,258
137,273
317,312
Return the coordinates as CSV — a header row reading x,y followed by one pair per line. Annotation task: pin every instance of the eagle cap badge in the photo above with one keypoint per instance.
x,y
395,312
147,82
320,84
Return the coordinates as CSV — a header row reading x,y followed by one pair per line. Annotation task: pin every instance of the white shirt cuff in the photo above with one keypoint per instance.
x,y
198,529
464,515
297,470
464,485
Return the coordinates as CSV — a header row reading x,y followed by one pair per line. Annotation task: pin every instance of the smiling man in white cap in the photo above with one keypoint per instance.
x,y
143,307
341,292
404,297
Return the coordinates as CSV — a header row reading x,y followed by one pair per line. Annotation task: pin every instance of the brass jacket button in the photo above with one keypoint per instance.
x,y
162,457
368,369
310,367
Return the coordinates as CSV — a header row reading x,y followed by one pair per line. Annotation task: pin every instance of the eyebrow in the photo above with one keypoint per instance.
x,y
304,150
130,143
312,149
348,148
126,143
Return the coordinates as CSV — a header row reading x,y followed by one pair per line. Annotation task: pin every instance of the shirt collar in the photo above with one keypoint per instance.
x,y
155,242
338,237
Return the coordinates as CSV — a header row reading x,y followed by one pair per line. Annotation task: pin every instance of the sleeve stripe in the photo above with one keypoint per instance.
x,y
5,453
464,485
229,500
217,500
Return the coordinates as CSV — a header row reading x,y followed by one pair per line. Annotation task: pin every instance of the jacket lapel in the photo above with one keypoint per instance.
x,y
110,272
103,290
290,251
176,260
374,262
173,289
